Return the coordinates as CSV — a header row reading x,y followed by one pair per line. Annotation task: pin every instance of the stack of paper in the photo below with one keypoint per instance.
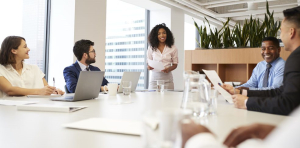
x,y
51,108
108,125
13,103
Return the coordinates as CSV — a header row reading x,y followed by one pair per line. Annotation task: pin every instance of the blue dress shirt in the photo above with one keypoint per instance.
x,y
275,75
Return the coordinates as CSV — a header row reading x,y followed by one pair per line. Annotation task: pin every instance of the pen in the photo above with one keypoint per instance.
x,y
54,85
53,82
233,84
220,84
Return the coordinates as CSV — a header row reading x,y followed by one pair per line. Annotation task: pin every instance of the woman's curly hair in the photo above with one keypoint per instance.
x,y
153,36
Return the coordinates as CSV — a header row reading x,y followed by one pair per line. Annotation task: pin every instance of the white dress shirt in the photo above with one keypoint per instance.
x,y
31,77
286,135
82,66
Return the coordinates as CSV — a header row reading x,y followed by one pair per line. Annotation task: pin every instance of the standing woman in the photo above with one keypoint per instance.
x,y
162,50
18,78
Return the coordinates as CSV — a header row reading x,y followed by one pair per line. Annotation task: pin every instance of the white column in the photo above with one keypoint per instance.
x,y
177,28
90,23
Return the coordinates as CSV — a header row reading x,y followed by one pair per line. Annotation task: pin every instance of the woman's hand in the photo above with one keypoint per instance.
x,y
166,70
47,90
58,91
149,68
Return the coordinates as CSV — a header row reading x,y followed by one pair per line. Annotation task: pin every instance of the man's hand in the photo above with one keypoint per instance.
x,y
190,129
149,68
239,101
247,88
228,88
241,134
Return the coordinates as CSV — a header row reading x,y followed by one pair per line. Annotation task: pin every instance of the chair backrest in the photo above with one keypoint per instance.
x,y
66,89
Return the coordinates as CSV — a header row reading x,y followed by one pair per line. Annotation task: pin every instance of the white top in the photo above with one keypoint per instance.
x,y
82,66
31,77
285,135
168,56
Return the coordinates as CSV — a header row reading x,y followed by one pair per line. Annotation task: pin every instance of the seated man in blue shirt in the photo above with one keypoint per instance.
x,y
85,53
267,74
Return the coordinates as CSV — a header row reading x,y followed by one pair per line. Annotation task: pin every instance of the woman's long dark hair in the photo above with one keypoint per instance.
x,y
9,43
153,36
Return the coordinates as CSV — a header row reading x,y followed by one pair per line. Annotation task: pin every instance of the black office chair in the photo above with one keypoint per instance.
x,y
66,89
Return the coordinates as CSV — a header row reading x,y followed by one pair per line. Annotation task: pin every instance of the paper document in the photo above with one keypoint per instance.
x,y
50,108
44,96
158,66
215,79
129,127
13,103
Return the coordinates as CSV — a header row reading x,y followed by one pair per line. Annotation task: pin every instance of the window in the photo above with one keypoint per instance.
x,y
61,40
26,18
125,41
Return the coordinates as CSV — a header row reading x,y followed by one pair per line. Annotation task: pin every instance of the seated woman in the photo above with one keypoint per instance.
x,y
18,78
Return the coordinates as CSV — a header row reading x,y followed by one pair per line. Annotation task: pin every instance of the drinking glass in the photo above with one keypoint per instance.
x,y
126,85
160,85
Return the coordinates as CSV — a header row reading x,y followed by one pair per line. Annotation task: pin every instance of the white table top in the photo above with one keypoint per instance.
x,y
44,129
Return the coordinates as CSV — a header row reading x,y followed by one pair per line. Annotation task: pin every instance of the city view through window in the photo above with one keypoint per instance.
x,y
125,41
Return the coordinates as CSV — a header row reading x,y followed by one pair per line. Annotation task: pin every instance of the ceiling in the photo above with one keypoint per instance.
x,y
238,10
217,11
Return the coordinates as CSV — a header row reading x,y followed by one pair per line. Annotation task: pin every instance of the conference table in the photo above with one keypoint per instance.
x,y
36,129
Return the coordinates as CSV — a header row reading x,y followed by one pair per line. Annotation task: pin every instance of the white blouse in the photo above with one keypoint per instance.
x,y
168,56
31,77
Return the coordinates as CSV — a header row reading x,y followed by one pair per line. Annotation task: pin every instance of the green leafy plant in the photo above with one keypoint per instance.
x,y
214,39
204,37
272,27
241,34
252,32
256,32
227,35
216,35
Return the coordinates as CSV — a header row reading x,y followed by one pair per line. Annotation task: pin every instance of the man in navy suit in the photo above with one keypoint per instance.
x,y
86,54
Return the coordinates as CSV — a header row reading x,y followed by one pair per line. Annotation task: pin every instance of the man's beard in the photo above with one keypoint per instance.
x,y
90,60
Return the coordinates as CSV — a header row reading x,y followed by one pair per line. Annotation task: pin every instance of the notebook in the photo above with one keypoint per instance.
x,y
49,108
88,87
129,127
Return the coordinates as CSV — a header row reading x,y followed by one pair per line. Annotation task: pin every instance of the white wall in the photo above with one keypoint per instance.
x,y
177,24
71,21
160,16
90,23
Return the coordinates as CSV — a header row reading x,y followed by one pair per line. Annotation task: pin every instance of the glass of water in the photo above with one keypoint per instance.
x,y
126,85
160,85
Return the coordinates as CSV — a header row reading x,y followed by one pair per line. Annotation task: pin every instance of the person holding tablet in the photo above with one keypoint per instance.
x,y
18,78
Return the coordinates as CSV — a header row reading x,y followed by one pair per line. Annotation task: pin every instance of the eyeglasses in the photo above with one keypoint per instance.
x,y
94,51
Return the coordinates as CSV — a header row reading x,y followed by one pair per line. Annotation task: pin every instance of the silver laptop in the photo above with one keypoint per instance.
x,y
88,87
130,76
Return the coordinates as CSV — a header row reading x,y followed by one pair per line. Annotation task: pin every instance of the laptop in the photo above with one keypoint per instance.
x,y
88,87
130,76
